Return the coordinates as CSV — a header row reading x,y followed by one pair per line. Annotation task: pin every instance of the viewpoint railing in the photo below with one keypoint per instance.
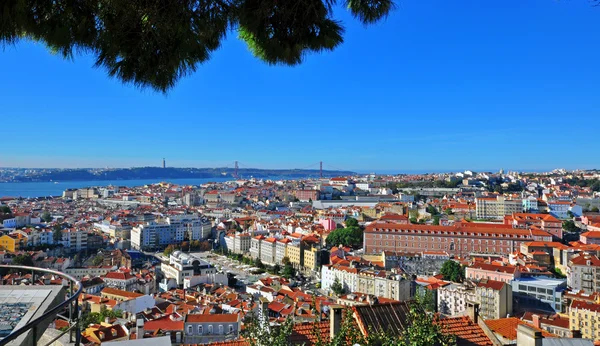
x,y
71,301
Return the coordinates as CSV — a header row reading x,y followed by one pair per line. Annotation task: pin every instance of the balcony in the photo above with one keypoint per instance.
x,y
52,301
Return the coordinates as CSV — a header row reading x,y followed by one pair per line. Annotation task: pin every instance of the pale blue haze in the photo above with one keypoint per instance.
x,y
440,85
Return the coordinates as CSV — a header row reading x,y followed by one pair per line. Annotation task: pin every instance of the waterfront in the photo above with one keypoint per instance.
x,y
41,189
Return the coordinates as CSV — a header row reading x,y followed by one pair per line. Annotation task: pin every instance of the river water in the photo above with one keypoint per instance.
x,y
40,189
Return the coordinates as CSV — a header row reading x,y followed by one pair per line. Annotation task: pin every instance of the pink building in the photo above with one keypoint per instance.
x,y
496,272
591,237
328,224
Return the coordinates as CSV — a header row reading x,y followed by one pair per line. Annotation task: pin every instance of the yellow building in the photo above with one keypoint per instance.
x,y
12,242
311,259
585,316
294,253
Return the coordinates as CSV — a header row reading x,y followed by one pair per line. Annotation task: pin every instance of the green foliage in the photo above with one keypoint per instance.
x,y
23,260
352,235
259,332
99,317
98,260
258,263
4,209
432,210
154,43
57,233
46,217
595,210
337,287
452,271
288,271
570,226
423,330
169,250
593,184
436,220
285,260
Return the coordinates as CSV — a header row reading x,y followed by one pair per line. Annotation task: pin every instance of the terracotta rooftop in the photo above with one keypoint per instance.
x,y
467,332
507,327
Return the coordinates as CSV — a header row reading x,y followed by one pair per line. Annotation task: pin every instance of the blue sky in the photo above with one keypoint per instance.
x,y
439,85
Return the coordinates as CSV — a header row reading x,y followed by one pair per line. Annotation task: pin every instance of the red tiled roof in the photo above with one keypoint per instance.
x,y
493,284
583,305
507,327
216,318
467,332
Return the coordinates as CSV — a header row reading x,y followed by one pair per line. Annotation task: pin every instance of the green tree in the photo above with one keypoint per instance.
x,y
288,271
154,43
258,263
436,220
98,260
285,260
169,250
432,210
4,209
46,217
259,332
351,222
337,287
595,210
57,233
424,329
23,260
570,226
453,271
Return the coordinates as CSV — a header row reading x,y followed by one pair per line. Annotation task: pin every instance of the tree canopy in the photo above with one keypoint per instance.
x,y
46,217
153,43
23,260
452,271
351,235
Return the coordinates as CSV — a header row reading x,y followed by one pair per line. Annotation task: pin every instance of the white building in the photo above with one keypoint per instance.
x,y
183,266
255,246
452,299
74,240
268,251
497,207
176,229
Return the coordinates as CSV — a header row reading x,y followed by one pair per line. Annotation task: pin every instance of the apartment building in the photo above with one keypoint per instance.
x,y
268,251
583,273
496,272
461,239
452,299
74,240
585,316
379,283
495,298
209,328
496,207
176,229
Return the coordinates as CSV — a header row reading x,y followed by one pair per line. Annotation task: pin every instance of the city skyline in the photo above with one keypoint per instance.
x,y
489,85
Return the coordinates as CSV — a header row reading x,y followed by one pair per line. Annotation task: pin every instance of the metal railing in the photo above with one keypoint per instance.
x,y
71,301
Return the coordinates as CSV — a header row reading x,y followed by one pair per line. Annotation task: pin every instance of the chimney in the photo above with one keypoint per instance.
x,y
576,334
139,326
107,320
527,336
536,320
335,320
473,311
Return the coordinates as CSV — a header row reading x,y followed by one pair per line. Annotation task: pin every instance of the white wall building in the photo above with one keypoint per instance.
x,y
176,229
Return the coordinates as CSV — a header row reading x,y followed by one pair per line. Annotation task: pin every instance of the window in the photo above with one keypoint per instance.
x,y
190,330
220,329
230,328
199,330
210,330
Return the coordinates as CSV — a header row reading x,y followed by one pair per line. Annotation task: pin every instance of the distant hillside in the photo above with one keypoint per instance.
x,y
167,173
